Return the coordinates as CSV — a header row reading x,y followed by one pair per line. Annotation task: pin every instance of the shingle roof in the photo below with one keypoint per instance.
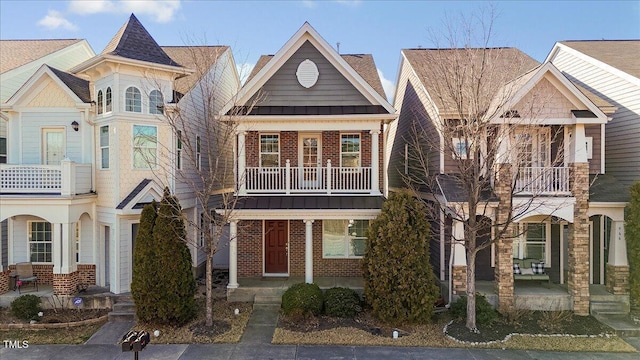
x,y
363,64
133,194
309,202
451,187
15,53
502,66
79,86
197,58
606,188
621,54
134,42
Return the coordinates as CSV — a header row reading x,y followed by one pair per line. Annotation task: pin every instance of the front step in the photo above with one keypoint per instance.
x,y
609,308
120,316
267,300
123,310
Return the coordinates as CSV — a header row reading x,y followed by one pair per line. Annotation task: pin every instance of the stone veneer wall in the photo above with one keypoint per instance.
x,y
4,281
504,245
578,281
459,280
617,281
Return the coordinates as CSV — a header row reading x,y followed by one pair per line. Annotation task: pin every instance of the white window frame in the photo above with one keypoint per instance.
x,y
270,153
135,104
522,242
456,142
134,147
589,147
179,147
359,152
108,100
104,148
4,152
77,235
198,152
346,240
156,106
100,102
31,241
540,145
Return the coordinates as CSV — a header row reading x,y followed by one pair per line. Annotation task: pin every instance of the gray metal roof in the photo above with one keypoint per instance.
x,y
79,86
133,194
309,202
451,186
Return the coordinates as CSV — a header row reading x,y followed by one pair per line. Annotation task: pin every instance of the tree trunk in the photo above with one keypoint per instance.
x,y
208,285
471,292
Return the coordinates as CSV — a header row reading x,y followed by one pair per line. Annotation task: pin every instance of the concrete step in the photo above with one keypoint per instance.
x,y
120,316
608,307
267,300
124,307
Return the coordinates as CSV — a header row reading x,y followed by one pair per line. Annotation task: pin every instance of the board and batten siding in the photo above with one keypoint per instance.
x,y
331,89
622,147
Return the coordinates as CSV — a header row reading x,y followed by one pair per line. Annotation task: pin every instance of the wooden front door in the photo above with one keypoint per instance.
x,y
276,247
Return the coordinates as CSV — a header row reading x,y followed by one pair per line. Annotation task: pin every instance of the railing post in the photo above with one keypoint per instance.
x,y
242,163
374,181
329,176
287,177
68,177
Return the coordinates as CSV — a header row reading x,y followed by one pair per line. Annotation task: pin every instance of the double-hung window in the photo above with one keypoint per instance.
x,y
100,102
104,147
40,240
156,104
3,150
133,100
107,100
534,242
350,150
198,152
344,238
145,146
269,150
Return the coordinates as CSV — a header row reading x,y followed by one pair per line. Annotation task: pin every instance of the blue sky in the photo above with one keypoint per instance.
x,y
381,28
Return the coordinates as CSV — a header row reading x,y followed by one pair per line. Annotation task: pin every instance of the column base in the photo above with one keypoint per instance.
x,y
65,284
459,280
4,281
617,281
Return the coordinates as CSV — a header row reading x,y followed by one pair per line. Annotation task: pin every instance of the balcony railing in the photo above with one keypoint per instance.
x,y
66,179
543,180
305,180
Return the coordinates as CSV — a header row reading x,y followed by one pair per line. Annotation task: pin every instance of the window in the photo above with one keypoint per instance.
x,y
460,148
269,150
3,150
533,243
533,147
133,100
100,102
350,150
40,240
179,150
344,238
145,144
107,99
104,147
77,242
198,157
156,104
202,232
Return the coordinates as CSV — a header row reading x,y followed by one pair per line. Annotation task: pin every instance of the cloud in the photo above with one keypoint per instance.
x,y
244,70
54,20
162,11
309,4
387,85
351,3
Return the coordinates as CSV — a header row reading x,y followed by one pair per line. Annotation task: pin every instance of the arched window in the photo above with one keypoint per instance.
x,y
107,99
156,104
133,100
100,102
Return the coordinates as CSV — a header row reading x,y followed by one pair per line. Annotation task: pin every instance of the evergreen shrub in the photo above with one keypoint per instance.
x,y
485,313
26,307
341,302
302,298
632,235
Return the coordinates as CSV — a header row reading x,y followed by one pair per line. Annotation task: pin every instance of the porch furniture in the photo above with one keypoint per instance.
x,y
24,270
525,264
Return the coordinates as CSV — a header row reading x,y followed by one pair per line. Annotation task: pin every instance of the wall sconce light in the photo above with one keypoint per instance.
x,y
75,126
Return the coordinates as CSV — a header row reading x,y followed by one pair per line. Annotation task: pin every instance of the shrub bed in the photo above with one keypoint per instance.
x,y
341,302
302,298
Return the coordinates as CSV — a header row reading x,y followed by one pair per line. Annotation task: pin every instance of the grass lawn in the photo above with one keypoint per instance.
x,y
73,335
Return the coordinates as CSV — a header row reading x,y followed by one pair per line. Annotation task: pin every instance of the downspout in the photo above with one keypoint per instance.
x,y
452,252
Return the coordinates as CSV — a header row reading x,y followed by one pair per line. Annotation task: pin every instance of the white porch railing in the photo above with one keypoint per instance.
x,y
543,180
66,179
300,180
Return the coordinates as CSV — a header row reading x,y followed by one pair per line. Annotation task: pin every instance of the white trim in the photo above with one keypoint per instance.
x,y
346,240
260,134
43,151
25,91
297,214
124,98
590,252
108,148
133,147
359,146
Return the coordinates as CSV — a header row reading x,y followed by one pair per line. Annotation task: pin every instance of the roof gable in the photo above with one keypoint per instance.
x,y
145,192
15,53
198,58
308,34
623,55
76,88
134,42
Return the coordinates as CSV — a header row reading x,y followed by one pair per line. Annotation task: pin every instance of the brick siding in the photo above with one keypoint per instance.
x,y
250,251
44,273
617,279
65,284
86,274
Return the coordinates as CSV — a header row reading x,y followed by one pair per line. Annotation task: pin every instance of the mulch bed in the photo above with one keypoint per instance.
x,y
51,316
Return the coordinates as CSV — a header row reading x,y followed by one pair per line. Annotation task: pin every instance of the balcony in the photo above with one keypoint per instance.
x,y
66,179
308,180
543,181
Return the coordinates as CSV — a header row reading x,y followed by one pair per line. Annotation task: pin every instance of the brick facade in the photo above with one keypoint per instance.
x,y
86,274
617,281
504,245
459,278
4,281
65,284
250,248
578,251
42,271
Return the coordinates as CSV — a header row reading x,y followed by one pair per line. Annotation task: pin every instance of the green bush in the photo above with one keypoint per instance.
x,y
302,298
632,234
485,313
341,302
26,307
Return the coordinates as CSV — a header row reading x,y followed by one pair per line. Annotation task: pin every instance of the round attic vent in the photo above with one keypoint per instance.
x,y
307,73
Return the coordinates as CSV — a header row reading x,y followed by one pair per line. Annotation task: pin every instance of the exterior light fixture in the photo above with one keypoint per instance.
x,y
75,126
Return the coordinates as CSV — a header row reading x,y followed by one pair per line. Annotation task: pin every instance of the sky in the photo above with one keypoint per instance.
x,y
381,28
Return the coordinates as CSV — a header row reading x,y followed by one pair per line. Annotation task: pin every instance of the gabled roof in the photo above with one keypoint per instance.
x,y
342,65
79,86
78,89
621,54
509,63
197,58
146,191
15,53
134,42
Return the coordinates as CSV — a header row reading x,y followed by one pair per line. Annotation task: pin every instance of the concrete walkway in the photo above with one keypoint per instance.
x,y
261,325
110,333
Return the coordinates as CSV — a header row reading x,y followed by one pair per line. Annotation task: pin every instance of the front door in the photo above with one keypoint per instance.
x,y
276,247
310,159
52,146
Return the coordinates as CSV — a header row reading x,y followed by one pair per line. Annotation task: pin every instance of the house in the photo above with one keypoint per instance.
x,y
88,148
611,69
309,163
541,157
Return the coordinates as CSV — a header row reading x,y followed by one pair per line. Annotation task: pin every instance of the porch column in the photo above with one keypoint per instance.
x,y
504,245
617,281
65,279
233,255
578,245
308,251
459,265
56,248
4,268
242,163
68,248
375,162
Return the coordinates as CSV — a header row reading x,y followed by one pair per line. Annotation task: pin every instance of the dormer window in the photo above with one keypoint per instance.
x,y
133,100
100,102
156,103
107,98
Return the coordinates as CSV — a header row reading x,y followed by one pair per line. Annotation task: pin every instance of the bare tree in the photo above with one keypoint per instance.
x,y
485,141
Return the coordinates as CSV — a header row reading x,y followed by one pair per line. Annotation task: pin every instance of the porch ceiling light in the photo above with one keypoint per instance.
x,y
75,126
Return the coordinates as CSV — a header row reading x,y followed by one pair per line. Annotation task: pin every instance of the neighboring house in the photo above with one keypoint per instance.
x,y
88,148
309,163
610,69
569,218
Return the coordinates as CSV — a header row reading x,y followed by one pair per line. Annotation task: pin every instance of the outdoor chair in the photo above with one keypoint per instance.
x,y
25,275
